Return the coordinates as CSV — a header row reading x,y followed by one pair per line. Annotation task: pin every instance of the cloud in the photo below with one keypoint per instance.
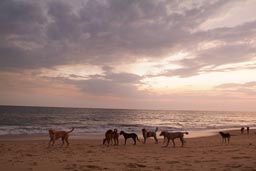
x,y
58,32
109,84
248,88
84,44
236,85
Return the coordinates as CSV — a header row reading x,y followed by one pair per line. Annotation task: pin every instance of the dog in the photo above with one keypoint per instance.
x,y
164,135
225,137
129,135
172,136
111,135
146,134
248,129
115,137
242,130
108,137
55,135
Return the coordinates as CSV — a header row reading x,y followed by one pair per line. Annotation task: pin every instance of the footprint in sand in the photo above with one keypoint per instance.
x,y
173,162
135,165
34,164
93,167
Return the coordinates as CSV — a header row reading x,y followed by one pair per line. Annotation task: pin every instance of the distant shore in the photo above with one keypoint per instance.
x,y
199,154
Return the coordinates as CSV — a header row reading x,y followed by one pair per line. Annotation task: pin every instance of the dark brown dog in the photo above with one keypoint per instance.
x,y
54,135
225,136
248,129
129,135
242,130
111,135
108,136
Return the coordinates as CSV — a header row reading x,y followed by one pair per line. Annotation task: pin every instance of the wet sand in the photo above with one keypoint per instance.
x,y
199,154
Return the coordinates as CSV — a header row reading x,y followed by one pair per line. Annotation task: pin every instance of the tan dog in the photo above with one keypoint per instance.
x,y
172,136
115,137
55,135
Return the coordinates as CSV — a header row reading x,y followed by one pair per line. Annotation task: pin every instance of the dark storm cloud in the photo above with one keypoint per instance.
x,y
236,49
101,87
110,84
58,32
20,17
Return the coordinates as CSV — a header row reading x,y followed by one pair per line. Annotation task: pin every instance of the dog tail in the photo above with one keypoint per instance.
x,y
71,130
156,129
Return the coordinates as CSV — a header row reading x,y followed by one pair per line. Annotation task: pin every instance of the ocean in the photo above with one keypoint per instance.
x,y
20,120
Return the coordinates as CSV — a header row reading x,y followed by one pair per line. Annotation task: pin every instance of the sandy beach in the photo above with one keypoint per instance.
x,y
205,153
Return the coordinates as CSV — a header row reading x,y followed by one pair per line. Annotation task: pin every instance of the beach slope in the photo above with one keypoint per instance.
x,y
199,154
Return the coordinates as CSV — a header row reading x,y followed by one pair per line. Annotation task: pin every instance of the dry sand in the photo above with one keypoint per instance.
x,y
199,154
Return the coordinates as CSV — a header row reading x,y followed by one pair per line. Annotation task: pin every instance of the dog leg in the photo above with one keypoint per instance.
x,y
173,142
182,142
164,140
156,139
62,141
53,142
144,136
67,142
49,144
134,139
168,140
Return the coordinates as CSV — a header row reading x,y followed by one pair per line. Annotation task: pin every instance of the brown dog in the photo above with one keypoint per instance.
x,y
164,133
115,137
129,135
110,135
55,135
146,134
225,137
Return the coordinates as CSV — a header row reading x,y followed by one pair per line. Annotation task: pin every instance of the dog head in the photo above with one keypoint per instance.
x,y
122,132
143,130
51,132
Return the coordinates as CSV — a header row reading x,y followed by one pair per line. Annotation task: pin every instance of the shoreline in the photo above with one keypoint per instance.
x,y
99,136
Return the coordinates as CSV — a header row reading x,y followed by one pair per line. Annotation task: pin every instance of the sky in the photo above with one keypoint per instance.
x,y
132,54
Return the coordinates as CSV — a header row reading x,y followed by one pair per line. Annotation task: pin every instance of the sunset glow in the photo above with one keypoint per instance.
x,y
129,54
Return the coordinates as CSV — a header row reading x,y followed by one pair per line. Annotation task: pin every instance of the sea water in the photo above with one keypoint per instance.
x,y
20,120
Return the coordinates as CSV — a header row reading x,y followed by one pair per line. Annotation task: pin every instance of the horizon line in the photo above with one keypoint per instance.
x,y
108,108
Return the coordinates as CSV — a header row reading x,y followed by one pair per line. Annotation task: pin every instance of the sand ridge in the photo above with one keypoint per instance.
x,y
206,153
